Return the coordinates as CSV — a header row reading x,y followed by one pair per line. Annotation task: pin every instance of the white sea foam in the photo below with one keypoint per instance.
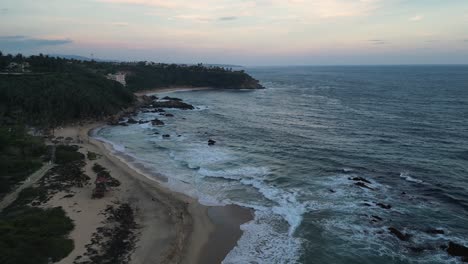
x,y
407,177
201,155
262,243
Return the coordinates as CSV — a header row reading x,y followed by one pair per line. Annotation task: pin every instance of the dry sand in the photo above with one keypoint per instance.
x,y
174,228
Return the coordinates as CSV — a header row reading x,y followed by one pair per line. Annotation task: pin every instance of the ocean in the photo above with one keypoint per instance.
x,y
329,158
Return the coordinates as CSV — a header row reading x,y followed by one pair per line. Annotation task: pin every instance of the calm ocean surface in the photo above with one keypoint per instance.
x,y
290,152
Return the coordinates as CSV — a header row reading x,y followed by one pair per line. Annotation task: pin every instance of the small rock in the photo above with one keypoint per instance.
x,y
384,206
157,122
363,185
169,115
166,136
131,121
435,231
398,234
360,179
457,250
211,142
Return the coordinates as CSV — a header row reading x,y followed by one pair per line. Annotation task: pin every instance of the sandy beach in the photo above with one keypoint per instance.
x,y
173,228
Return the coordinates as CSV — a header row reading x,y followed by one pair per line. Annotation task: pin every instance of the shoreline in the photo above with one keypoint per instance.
x,y
170,89
193,233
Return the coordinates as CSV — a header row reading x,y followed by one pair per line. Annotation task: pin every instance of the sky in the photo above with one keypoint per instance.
x,y
244,32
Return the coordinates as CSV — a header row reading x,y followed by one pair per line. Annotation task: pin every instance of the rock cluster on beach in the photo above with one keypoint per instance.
x,y
149,104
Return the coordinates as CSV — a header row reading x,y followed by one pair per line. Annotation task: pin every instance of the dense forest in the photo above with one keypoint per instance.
x,y
149,76
43,90
54,91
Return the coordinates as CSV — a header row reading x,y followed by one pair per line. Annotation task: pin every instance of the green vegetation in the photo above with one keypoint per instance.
x,y
36,235
149,76
57,91
20,155
33,236
92,156
66,154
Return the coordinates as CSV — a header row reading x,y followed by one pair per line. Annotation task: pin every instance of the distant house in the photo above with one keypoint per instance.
x,y
118,77
18,67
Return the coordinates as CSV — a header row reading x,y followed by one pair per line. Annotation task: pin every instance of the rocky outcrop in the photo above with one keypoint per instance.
x,y
384,206
157,122
458,250
173,104
172,98
399,234
131,121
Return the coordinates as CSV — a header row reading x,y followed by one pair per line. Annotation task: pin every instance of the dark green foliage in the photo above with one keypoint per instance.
x,y
58,91
65,154
33,235
20,155
114,242
92,156
165,75
28,196
103,172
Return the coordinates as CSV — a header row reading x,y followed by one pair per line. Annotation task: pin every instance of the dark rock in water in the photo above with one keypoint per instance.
x,y
332,191
169,115
157,122
166,136
384,206
123,124
400,235
420,249
435,231
366,204
174,104
457,250
360,179
172,98
156,133
377,218
179,135
363,185
211,142
131,121
153,97
143,121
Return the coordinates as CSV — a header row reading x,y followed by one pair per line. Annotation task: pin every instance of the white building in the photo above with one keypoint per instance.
x,y
118,77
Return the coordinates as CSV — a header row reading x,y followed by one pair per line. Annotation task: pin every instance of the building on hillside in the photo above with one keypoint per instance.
x,y
118,77
18,67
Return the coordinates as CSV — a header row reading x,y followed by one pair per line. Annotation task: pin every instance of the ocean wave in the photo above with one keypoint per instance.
x,y
262,243
407,177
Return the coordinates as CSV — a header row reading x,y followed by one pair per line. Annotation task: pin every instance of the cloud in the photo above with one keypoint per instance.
x,y
227,18
157,3
201,18
307,9
120,24
198,18
377,41
21,43
416,18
